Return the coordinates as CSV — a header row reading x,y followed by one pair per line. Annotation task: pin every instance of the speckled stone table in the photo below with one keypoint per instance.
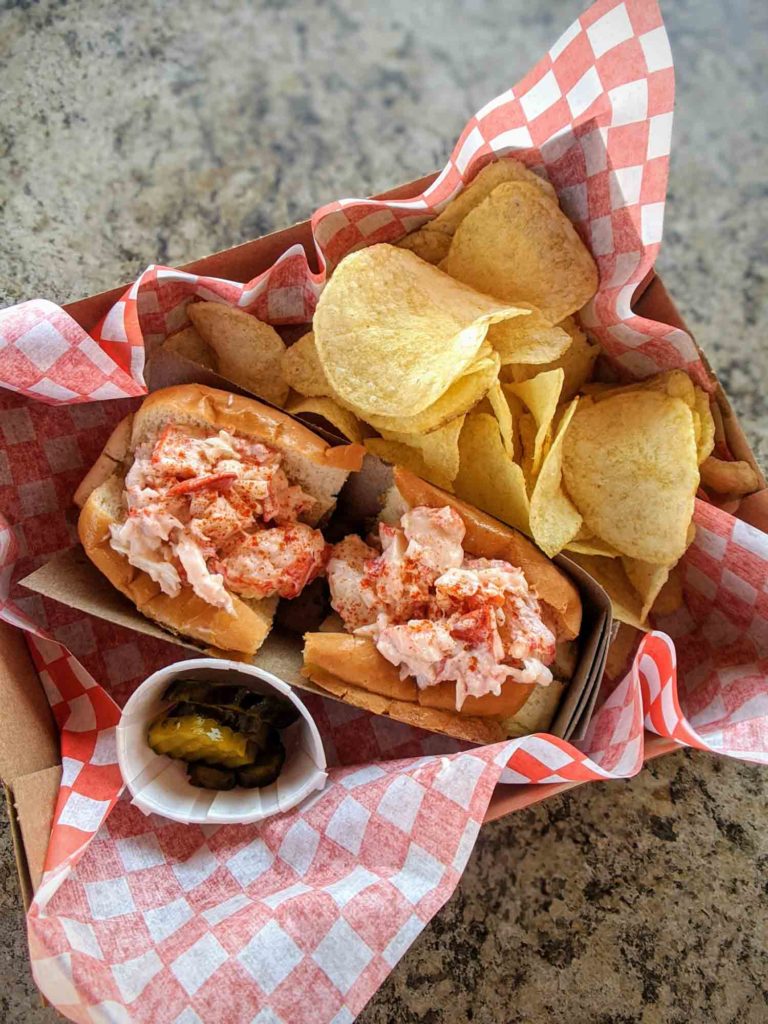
x,y
147,132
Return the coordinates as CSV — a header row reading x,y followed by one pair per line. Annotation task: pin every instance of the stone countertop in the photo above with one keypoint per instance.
x,y
169,131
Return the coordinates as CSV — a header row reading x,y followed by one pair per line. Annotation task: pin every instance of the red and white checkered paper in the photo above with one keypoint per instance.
x,y
302,917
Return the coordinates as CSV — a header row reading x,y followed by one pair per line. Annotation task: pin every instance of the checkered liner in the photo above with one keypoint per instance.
x,y
301,918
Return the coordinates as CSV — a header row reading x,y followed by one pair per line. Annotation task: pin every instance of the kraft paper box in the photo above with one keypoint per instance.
x,y
29,757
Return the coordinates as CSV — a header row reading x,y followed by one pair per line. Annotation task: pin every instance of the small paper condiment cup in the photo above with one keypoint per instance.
x,y
159,784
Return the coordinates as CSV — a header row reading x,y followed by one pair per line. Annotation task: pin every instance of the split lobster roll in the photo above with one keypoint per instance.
x,y
448,620
203,509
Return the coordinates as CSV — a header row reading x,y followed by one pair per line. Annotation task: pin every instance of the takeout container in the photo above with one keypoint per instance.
x,y
159,785
29,756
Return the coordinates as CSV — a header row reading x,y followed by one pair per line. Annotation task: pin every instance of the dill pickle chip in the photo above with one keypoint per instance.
x,y
254,726
278,712
266,768
200,692
210,776
199,738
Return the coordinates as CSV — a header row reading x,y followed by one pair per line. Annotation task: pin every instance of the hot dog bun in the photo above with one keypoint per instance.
x,y
352,668
319,468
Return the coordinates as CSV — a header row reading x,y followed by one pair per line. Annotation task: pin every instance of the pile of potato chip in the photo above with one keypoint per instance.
x,y
459,355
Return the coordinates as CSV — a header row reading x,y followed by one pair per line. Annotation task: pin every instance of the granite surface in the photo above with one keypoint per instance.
x,y
165,131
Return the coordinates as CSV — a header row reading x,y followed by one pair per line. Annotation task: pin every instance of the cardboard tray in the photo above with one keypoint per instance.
x,y
30,763
71,578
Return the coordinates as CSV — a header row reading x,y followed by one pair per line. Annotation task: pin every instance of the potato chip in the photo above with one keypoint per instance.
x,y
675,383
428,244
503,414
487,477
705,441
432,241
398,454
630,467
733,478
717,417
647,580
439,448
248,352
586,543
499,172
670,597
584,533
190,345
592,546
540,394
343,420
555,520
518,411
610,574
577,362
528,339
508,411
527,430
696,429
520,247
393,333
596,388
465,392
302,370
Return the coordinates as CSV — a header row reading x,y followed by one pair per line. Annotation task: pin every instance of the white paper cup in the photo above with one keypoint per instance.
x,y
159,784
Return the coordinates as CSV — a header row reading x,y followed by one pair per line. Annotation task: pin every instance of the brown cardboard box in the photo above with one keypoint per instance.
x,y
29,755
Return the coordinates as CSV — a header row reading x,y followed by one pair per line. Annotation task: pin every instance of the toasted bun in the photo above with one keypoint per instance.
x,y
319,468
461,727
111,459
538,712
352,668
355,660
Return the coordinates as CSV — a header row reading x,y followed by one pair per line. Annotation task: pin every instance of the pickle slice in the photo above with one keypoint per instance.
x,y
280,713
197,691
276,711
266,768
210,776
200,738
239,721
